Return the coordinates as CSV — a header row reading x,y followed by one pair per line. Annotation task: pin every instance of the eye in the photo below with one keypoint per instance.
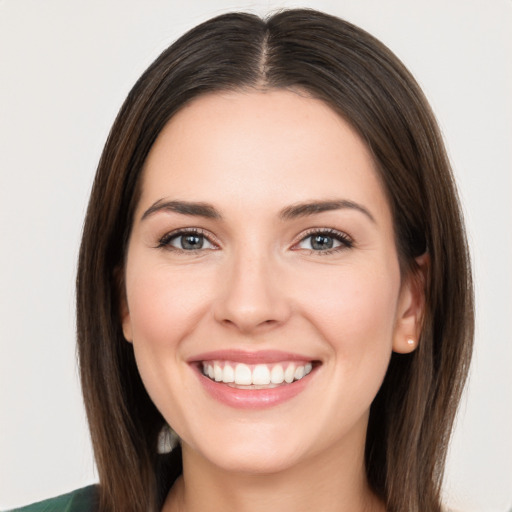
x,y
325,241
186,240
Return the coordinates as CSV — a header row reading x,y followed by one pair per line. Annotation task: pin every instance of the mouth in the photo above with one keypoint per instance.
x,y
254,380
255,376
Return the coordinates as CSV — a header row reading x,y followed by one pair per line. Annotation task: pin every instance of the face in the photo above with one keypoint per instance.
x,y
262,254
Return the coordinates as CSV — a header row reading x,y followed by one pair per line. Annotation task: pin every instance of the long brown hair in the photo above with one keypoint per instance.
x,y
411,417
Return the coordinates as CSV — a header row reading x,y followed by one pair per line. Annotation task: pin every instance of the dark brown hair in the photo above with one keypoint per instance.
x,y
411,417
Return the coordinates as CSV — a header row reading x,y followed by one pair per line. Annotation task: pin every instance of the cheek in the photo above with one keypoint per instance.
x,y
355,314
164,304
355,309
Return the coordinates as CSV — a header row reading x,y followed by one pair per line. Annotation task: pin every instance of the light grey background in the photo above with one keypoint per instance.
x,y
65,68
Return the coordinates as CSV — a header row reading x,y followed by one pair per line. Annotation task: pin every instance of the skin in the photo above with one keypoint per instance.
x,y
257,284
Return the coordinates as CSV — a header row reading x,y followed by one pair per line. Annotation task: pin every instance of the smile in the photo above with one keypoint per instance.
x,y
259,376
254,380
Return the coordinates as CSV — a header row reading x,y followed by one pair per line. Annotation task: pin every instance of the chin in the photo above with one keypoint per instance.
x,y
259,462
248,453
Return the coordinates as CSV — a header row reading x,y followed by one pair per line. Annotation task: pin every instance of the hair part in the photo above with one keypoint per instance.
x,y
356,75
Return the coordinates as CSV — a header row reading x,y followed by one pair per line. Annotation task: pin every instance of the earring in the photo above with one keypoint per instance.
x,y
167,440
411,342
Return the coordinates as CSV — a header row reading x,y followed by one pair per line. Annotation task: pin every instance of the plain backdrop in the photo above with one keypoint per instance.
x,y
65,68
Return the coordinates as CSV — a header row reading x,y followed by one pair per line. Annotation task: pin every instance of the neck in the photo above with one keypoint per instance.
x,y
330,482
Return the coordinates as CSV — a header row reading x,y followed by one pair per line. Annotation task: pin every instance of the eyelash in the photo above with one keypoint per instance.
x,y
345,241
165,241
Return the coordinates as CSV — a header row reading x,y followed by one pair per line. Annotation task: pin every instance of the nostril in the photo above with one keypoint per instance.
x,y
248,326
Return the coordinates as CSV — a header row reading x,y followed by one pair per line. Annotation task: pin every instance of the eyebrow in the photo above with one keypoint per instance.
x,y
314,207
183,207
294,211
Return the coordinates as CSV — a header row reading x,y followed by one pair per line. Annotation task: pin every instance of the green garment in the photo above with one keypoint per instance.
x,y
81,500
168,468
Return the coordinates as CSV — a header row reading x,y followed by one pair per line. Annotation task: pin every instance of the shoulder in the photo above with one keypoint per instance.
x,y
81,500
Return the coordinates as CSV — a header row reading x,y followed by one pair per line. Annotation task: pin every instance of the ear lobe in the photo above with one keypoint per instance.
x,y
411,307
124,312
126,322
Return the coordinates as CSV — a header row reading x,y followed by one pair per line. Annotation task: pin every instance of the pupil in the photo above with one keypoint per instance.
x,y
321,242
191,242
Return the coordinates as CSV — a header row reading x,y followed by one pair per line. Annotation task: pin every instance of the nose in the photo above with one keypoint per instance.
x,y
252,295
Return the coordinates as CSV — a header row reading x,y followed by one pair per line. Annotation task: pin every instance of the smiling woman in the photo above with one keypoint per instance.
x,y
274,267
283,293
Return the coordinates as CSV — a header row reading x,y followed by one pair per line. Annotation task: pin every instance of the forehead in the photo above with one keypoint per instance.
x,y
273,148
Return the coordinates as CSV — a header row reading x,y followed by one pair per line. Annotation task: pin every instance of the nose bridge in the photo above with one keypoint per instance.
x,y
250,296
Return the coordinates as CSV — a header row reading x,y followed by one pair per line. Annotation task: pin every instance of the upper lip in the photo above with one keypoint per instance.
x,y
249,357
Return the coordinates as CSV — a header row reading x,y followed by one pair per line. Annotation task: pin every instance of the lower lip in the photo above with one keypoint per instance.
x,y
253,398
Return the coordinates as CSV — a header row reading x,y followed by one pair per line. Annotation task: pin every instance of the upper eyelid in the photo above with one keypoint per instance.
x,y
329,231
183,231
346,241
214,240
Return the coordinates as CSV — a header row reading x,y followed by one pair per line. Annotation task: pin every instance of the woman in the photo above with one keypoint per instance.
x,y
274,265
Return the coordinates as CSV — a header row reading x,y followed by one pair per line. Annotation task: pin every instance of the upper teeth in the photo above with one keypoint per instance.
x,y
259,374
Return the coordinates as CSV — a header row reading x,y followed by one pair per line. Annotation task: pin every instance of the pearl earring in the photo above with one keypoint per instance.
x,y
411,342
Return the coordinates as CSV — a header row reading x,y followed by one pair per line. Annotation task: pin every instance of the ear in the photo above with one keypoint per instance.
x,y
122,301
411,307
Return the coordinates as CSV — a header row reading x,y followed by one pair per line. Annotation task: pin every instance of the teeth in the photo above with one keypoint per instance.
x,y
228,374
261,375
258,375
299,373
289,373
217,372
243,374
277,374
